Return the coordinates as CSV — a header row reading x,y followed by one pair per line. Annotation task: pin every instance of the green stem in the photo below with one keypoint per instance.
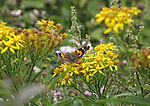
x,y
107,3
124,86
98,86
89,86
138,79
8,70
13,81
105,85
84,94
31,71
36,75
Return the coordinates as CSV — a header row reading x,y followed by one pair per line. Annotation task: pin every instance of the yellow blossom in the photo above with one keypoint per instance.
x,y
9,40
111,64
45,37
116,18
42,22
67,79
9,45
134,10
88,73
95,61
112,26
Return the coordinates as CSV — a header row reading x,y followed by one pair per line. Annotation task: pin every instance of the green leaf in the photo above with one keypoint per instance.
x,y
123,94
30,3
93,7
96,34
131,100
82,3
66,102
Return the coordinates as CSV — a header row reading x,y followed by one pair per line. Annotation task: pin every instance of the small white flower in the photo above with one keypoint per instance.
x,y
25,59
102,89
36,69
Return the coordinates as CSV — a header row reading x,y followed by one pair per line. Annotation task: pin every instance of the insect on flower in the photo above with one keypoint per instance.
x,y
73,57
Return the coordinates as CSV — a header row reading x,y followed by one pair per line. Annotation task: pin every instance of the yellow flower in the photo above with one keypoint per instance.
x,y
112,26
67,79
18,41
9,40
64,35
50,23
111,64
98,68
74,70
100,18
86,64
95,61
9,45
42,22
134,11
148,57
115,18
44,38
58,71
88,73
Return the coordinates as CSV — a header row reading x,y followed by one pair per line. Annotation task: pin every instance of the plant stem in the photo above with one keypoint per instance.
x,y
84,94
107,3
138,79
9,70
31,71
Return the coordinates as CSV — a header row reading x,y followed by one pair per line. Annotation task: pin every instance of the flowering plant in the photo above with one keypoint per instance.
x,y
116,18
21,49
100,60
114,71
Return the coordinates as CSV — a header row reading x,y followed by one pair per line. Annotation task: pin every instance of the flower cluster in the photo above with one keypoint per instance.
x,y
115,18
9,39
46,36
143,60
102,58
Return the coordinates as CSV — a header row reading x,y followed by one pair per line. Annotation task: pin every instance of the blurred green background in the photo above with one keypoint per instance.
x,y
24,13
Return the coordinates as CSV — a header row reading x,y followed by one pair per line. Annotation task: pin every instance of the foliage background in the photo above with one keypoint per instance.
x,y
24,13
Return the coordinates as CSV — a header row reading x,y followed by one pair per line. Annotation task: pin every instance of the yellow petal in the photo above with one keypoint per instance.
x,y
4,50
87,78
101,72
12,50
98,15
107,30
63,82
115,29
107,21
99,20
